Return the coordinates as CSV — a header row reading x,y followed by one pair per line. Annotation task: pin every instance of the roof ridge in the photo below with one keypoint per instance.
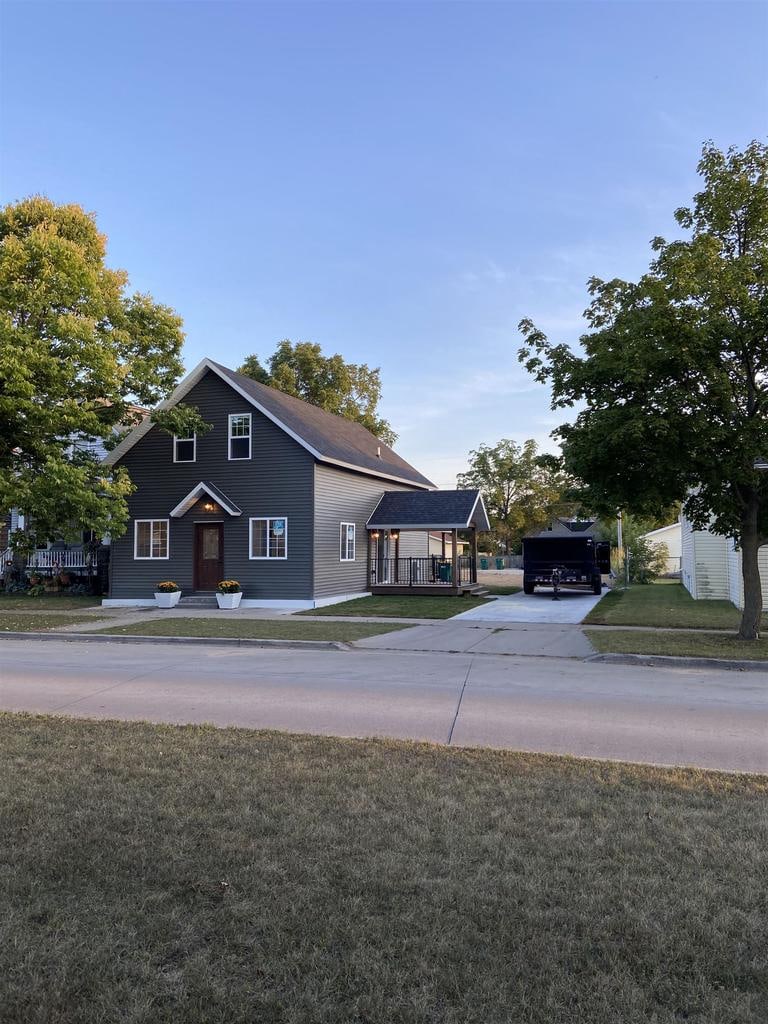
x,y
302,403
370,453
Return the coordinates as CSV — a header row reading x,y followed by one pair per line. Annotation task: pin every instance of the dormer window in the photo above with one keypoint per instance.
x,y
239,435
184,448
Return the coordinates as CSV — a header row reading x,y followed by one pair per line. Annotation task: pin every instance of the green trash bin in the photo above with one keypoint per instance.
x,y
499,563
483,563
444,572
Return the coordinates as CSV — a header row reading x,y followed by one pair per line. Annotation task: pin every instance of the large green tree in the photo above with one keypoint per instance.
x,y
521,489
672,379
347,389
77,354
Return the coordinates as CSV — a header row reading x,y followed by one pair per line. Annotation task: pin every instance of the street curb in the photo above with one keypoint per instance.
x,y
669,661
220,641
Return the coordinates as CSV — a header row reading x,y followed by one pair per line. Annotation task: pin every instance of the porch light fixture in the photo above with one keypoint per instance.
x,y
209,506
375,534
394,534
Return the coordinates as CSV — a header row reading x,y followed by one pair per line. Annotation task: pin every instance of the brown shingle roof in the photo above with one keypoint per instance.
x,y
332,437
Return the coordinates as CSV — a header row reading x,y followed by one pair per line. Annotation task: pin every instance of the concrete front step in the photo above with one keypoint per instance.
x,y
198,601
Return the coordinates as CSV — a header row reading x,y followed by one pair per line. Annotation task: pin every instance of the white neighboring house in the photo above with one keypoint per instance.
x,y
440,545
54,554
671,537
711,566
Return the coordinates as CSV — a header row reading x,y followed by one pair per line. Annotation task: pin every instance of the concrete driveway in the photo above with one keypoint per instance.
x,y
711,719
571,607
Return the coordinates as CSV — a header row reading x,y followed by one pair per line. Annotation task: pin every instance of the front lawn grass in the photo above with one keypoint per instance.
x,y
687,645
666,604
47,602
397,607
160,874
254,629
38,622
501,591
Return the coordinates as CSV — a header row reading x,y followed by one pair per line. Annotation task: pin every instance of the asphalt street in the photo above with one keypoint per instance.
x,y
708,718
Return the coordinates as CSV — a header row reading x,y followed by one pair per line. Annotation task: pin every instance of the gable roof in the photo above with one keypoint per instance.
x,y
329,438
565,527
205,487
662,529
430,510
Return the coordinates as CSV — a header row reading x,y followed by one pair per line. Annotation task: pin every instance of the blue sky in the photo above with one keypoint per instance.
x,y
398,182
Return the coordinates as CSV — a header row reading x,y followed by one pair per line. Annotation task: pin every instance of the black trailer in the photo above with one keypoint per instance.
x,y
577,561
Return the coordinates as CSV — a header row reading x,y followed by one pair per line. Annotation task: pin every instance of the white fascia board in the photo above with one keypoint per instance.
x,y
482,506
661,529
143,428
194,495
186,386
426,527
372,472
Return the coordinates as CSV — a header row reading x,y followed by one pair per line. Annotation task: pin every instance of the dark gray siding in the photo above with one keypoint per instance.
x,y
278,480
344,496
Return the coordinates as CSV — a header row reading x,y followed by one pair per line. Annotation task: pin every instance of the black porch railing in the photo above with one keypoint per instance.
x,y
412,572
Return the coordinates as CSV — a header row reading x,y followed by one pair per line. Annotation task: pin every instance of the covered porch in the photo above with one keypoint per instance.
x,y
402,520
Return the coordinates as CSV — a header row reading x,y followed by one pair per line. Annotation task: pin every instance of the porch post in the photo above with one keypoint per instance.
x,y
474,554
370,581
455,560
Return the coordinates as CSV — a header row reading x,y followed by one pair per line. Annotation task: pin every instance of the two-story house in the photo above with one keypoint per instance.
x,y
279,495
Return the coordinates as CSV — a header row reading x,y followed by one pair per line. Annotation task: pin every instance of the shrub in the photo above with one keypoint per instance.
x,y
647,561
229,587
167,587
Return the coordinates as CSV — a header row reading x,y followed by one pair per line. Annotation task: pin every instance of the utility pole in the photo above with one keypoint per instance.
x,y
620,539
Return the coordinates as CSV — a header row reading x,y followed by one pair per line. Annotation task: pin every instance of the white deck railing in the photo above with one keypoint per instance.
x,y
71,558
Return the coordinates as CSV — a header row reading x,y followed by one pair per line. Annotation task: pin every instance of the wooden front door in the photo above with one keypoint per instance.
x,y
209,555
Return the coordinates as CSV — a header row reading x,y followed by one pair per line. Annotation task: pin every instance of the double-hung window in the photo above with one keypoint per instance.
x,y
184,448
150,538
269,538
239,435
347,542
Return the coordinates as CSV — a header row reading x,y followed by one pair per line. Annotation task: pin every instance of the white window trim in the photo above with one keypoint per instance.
x,y
267,557
343,540
193,439
150,557
230,439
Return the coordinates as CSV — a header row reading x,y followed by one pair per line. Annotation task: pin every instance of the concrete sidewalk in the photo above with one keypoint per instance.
x,y
671,716
533,640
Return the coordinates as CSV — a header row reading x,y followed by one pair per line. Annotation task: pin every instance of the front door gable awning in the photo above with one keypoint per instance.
x,y
430,510
205,487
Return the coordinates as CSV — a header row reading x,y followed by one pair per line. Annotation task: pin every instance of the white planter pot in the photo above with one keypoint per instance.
x,y
167,600
229,600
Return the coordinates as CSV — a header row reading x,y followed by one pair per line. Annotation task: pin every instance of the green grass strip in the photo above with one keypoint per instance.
x,y
665,604
684,645
38,622
394,606
253,629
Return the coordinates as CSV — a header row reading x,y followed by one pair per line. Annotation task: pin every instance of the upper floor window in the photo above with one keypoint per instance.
x,y
347,542
240,435
184,448
150,538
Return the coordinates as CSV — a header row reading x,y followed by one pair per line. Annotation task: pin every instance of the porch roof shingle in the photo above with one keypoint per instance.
x,y
430,510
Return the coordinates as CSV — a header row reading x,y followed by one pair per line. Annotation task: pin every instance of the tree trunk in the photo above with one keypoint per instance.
x,y
750,573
